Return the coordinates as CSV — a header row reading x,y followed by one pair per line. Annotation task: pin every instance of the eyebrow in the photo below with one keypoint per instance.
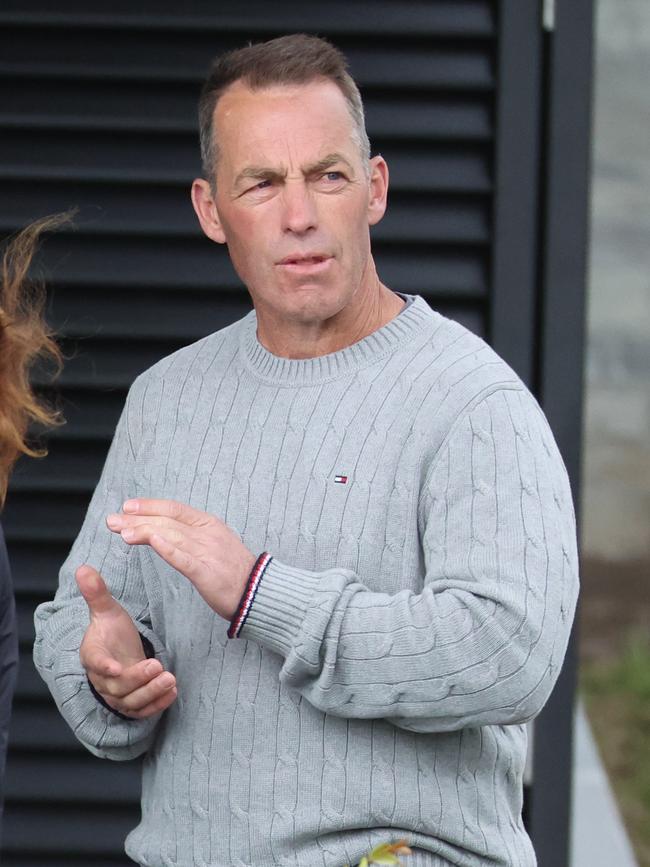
x,y
268,173
327,162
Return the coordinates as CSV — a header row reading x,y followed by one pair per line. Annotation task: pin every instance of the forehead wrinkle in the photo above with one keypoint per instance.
x,y
269,172
326,163
260,172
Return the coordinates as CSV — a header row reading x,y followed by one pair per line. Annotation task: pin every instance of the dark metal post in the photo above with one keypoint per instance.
x,y
513,295
560,375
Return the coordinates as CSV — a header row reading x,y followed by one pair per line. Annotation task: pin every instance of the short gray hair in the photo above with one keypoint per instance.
x,y
294,59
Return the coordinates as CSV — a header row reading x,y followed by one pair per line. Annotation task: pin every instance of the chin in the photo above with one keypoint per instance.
x,y
318,308
309,302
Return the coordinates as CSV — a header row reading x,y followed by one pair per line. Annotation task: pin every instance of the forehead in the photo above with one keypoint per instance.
x,y
307,119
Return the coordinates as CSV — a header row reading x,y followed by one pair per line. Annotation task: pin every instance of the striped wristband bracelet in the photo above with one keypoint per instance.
x,y
248,596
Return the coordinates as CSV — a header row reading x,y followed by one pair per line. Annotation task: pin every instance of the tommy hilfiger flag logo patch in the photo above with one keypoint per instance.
x,y
341,480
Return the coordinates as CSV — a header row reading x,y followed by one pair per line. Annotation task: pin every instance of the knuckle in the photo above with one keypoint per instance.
x,y
129,706
111,688
176,509
133,713
147,712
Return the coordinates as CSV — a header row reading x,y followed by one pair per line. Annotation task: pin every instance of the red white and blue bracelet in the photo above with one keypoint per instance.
x,y
248,596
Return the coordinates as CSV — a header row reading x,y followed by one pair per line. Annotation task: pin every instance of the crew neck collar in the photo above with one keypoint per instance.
x,y
411,321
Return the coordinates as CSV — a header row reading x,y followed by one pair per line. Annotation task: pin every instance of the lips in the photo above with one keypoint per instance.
x,y
303,259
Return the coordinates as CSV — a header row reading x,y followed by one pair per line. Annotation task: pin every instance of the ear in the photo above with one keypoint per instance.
x,y
206,210
378,189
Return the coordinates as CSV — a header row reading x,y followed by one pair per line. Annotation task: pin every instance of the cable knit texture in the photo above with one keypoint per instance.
x,y
414,614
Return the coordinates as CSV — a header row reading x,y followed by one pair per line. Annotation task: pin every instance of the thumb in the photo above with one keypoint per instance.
x,y
94,590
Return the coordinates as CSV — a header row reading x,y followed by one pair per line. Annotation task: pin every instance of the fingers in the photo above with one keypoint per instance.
x,y
140,691
160,691
94,590
156,706
167,509
171,547
140,533
118,522
126,680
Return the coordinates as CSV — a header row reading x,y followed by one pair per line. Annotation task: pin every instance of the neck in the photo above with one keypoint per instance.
x,y
366,313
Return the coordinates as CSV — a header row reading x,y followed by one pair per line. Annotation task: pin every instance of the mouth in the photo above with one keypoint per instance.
x,y
303,266
300,260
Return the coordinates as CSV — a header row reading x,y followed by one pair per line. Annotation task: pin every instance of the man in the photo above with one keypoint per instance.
x,y
341,525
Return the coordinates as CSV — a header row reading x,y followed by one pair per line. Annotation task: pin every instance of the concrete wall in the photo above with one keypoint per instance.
x,y
616,471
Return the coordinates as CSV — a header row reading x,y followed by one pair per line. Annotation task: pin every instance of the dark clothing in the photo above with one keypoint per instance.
x,y
8,656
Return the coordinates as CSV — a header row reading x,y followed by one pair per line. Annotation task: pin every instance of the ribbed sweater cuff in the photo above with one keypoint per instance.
x,y
281,600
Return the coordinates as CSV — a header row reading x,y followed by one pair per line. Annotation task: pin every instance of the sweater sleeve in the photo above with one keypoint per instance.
x,y
61,624
484,639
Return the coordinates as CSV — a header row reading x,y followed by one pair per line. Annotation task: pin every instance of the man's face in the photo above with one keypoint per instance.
x,y
293,202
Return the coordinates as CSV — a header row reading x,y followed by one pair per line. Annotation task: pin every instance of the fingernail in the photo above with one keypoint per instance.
x,y
130,506
113,520
151,668
128,534
166,680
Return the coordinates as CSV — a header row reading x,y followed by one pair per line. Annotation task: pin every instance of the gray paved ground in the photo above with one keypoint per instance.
x,y
598,835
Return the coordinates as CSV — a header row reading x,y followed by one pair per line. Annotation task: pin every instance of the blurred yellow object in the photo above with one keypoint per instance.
x,y
385,853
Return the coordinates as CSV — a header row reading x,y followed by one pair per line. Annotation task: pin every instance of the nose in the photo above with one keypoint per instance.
x,y
299,209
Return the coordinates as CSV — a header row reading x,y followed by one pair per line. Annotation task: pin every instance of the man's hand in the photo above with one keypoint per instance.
x,y
197,544
113,656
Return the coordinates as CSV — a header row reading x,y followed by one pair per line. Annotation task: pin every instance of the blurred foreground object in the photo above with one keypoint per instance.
x,y
24,338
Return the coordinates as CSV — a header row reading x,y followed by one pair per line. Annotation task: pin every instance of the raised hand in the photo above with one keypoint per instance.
x,y
197,544
113,656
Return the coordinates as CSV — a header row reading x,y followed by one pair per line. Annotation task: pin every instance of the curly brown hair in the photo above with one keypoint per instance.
x,y
24,338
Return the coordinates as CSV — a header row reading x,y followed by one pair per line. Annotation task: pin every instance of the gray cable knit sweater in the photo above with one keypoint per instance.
x,y
413,617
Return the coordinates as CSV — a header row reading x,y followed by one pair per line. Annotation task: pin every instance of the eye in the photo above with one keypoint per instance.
x,y
259,187
331,181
